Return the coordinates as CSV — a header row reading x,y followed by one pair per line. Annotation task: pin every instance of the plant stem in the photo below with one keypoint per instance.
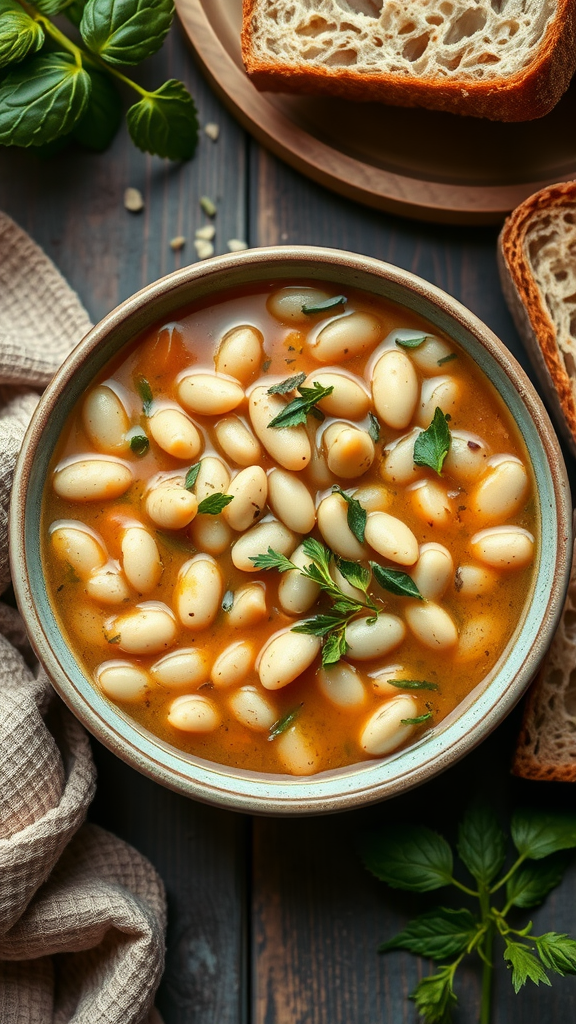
x,y
464,888
487,969
509,873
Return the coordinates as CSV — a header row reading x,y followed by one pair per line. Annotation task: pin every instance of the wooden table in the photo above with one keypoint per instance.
x,y
273,921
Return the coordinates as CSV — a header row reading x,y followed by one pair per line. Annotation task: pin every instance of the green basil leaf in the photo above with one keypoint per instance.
x,y
42,100
325,306
354,573
297,410
531,883
374,427
432,445
126,31
525,966
481,843
287,385
437,934
101,120
284,723
410,857
356,516
434,996
396,581
20,35
165,122
557,952
214,503
536,834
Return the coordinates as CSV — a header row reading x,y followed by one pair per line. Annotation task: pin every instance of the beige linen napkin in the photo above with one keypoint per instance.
x,y
82,914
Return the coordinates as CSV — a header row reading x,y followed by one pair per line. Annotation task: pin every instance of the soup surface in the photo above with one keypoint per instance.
x,y
290,530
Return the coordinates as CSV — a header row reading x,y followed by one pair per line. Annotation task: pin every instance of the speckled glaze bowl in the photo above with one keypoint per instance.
x,y
367,781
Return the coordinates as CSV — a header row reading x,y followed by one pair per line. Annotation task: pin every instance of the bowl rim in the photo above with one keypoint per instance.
x,y
368,781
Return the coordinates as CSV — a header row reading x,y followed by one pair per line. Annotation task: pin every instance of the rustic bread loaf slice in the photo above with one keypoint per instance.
x,y
508,60
537,260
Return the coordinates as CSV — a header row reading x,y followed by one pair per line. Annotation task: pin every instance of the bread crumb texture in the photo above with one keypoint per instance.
x,y
479,41
550,250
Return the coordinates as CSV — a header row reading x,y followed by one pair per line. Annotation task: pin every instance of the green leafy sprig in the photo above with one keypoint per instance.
x,y
298,410
432,445
416,858
68,89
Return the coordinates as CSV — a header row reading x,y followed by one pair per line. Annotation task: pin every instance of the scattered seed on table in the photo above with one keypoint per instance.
x,y
178,242
208,206
236,245
212,130
206,232
133,200
203,248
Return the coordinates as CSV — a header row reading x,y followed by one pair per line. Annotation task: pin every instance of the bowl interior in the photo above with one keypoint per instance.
x,y
474,717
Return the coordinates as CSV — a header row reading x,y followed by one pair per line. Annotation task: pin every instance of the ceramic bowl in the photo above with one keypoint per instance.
x,y
367,781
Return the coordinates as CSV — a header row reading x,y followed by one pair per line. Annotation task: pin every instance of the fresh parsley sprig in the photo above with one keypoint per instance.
x,y
356,514
416,858
298,410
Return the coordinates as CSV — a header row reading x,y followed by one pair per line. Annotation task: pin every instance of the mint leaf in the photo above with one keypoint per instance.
x,y
481,843
396,581
434,996
432,445
410,857
101,119
290,384
145,391
20,35
42,100
438,934
531,883
525,966
557,952
536,834
165,122
356,516
272,560
354,573
214,503
325,306
139,444
126,31
297,410
284,723
374,427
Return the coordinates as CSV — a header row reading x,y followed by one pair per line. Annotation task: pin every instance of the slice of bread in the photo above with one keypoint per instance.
x,y
537,261
508,60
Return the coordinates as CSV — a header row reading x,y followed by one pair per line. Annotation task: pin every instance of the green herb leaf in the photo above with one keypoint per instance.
x,y
410,857
290,384
536,834
412,342
192,476
416,721
126,32
432,445
437,934
272,560
317,552
531,883
447,359
20,35
297,410
175,542
266,365
325,306
434,996
214,503
319,625
284,723
396,581
413,684
525,966
356,516
227,600
557,952
145,391
50,7
42,100
165,122
101,119
114,639
334,648
139,444
481,843
354,573
374,427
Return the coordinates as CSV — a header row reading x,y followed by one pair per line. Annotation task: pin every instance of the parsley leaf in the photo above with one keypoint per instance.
x,y
481,843
214,503
434,996
145,391
297,410
192,476
537,834
325,306
410,857
437,934
532,882
356,516
432,445
374,427
396,581
272,560
290,384
354,573
284,723
139,444
557,952
525,966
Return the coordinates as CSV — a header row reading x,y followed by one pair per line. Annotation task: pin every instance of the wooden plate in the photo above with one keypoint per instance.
x,y
419,163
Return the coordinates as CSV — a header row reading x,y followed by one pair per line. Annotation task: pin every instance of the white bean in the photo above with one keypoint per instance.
x,y
441,392
170,505
240,353
108,586
121,680
502,490
433,571
367,640
237,441
209,394
467,456
318,473
148,629
427,356
284,657
385,730
211,534
373,498
431,625
78,545
233,664
333,525
213,478
341,685
252,709
249,490
257,541
198,592
430,501
479,639
193,713
296,593
291,501
286,304
141,559
346,337
175,433
296,752
503,547
381,681
249,606
398,466
349,399
187,667
290,446
473,580
395,389
391,538
349,451
92,480
105,420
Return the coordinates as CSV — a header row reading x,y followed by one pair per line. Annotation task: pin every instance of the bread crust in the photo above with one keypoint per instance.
x,y
528,308
529,94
